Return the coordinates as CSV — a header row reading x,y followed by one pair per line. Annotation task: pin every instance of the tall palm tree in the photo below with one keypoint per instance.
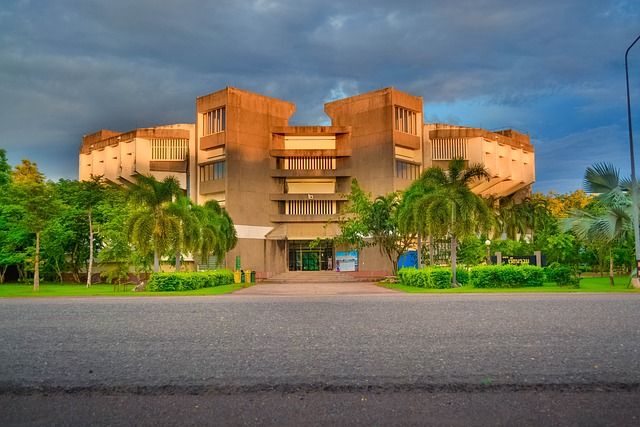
x,y
152,225
612,222
189,237
218,234
409,219
451,207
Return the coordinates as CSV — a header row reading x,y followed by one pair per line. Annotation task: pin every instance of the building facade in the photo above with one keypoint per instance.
x,y
285,186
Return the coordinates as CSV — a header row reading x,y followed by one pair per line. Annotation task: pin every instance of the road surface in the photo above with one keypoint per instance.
x,y
369,359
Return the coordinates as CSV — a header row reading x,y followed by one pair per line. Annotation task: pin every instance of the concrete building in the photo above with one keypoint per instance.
x,y
160,151
284,186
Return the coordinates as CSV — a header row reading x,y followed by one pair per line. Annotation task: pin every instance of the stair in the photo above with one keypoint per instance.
x,y
310,277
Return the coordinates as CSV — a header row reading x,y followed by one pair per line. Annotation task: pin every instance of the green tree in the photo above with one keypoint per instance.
x,y
218,234
35,196
190,235
409,218
373,223
152,227
5,169
116,254
452,208
609,220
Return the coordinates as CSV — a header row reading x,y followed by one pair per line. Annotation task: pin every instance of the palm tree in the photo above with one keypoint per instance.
x,y
189,237
152,225
451,207
409,219
218,234
611,221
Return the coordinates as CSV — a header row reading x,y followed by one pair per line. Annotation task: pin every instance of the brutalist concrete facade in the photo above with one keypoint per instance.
x,y
285,186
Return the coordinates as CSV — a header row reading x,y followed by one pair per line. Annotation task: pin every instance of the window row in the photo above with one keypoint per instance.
x,y
406,121
447,149
405,170
213,171
310,163
310,207
169,149
214,121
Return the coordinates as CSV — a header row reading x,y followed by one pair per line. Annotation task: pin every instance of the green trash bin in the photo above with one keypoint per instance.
x,y
253,276
247,276
237,277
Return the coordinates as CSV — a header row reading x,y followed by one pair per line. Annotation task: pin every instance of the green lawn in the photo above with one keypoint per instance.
x,y
587,284
12,290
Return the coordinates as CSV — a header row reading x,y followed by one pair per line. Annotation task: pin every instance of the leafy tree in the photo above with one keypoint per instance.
x,y
452,208
374,223
116,255
84,196
5,169
35,197
152,227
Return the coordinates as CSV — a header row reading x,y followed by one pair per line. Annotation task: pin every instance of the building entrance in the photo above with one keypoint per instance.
x,y
304,257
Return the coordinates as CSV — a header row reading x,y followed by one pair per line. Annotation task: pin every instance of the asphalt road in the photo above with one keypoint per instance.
x,y
374,359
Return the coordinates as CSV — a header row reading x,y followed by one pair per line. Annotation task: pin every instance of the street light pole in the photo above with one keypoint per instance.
x,y
634,193
488,243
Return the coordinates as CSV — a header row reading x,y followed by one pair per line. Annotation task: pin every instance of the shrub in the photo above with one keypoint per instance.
x,y
506,276
181,281
563,276
429,277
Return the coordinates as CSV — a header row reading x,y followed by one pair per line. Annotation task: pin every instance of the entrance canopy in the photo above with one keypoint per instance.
x,y
304,231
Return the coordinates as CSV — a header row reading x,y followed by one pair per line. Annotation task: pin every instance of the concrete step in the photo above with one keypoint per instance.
x,y
310,277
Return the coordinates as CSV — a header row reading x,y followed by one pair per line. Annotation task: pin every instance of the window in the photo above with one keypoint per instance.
x,y
168,149
214,121
310,163
406,121
310,207
405,170
213,171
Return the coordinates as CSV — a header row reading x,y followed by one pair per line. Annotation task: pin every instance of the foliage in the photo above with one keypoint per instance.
x,y
608,220
373,223
152,227
506,276
430,277
181,281
562,276
451,208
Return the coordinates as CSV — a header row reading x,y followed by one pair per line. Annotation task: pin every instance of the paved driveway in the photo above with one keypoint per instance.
x,y
310,289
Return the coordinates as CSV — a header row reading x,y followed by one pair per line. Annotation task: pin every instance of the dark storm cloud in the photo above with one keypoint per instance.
x,y
554,69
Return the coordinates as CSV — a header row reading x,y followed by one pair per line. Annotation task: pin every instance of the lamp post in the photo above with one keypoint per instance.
x,y
634,194
488,243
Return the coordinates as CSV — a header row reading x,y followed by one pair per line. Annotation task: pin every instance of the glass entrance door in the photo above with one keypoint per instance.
x,y
306,257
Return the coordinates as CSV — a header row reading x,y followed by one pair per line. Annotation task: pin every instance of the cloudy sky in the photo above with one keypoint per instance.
x,y
551,68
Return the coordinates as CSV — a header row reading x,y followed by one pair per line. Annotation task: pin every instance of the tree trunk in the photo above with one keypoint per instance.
x,y
178,255
430,251
454,260
611,282
156,260
36,274
419,252
90,266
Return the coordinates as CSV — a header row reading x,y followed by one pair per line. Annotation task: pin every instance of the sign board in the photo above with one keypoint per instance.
x,y
347,261
519,260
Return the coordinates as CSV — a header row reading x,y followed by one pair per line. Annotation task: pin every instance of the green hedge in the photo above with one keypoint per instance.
x,y
562,276
181,281
431,277
507,276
